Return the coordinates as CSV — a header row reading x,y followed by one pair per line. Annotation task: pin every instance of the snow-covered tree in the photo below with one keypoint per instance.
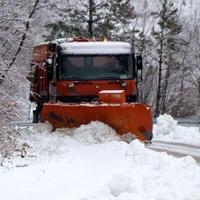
x,y
16,18
93,18
168,44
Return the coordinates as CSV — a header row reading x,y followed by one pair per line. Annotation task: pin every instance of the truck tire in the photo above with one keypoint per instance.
x,y
36,113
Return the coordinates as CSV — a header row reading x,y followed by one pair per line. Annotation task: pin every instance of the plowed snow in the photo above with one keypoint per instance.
x,y
91,163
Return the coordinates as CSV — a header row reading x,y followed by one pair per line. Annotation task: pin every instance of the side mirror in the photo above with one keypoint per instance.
x,y
139,62
49,66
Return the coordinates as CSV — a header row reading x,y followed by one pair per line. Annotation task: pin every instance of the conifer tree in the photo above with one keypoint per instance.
x,y
168,45
93,18
121,17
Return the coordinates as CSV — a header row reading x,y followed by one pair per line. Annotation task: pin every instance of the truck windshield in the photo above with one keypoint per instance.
x,y
93,67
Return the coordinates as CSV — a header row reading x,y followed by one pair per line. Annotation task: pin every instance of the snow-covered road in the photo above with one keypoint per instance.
x,y
91,162
176,148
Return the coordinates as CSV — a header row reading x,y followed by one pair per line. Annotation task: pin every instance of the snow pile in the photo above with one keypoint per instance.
x,y
40,144
91,163
154,176
113,170
168,129
93,133
165,125
41,128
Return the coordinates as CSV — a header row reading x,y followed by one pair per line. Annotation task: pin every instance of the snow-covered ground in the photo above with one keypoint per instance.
x,y
92,163
167,129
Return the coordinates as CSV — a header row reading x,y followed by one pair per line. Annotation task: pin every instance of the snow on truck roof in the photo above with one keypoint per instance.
x,y
96,48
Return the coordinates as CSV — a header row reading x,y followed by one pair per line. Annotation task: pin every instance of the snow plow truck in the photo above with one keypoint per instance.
x,y
77,80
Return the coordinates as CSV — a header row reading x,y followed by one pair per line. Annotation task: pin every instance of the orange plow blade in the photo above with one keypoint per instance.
x,y
132,118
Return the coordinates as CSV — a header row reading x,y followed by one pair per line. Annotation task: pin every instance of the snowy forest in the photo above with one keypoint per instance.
x,y
165,32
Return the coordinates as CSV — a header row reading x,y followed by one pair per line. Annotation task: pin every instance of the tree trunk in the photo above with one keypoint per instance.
x,y
90,21
158,95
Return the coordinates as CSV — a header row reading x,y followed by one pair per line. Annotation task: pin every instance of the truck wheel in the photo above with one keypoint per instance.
x,y
35,116
36,113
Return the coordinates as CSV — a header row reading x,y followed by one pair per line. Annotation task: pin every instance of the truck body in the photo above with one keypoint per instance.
x,y
76,81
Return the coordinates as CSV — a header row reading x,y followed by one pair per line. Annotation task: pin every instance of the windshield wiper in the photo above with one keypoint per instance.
x,y
109,78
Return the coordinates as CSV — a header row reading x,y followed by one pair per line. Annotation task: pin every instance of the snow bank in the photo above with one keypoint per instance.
x,y
93,133
168,129
39,144
91,163
113,170
165,125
